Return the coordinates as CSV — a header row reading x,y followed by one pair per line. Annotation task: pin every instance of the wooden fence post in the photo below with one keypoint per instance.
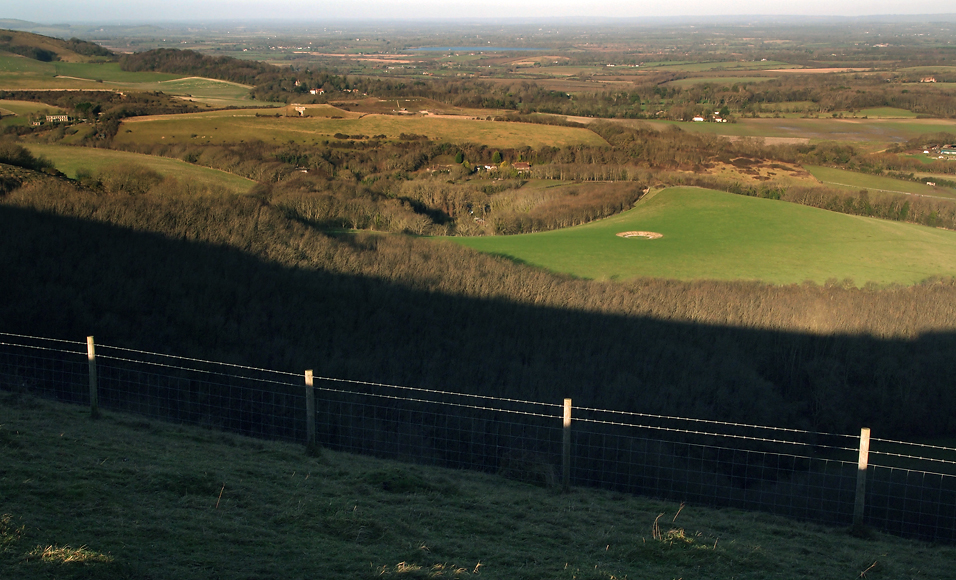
x,y
91,357
310,446
861,479
566,447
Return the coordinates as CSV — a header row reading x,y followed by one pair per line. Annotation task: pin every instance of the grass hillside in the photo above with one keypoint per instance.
x,y
45,48
123,497
71,160
857,181
721,236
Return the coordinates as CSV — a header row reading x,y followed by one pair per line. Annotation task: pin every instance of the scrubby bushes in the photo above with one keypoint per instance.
x,y
13,154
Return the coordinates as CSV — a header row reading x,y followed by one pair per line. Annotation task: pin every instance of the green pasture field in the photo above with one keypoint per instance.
x,y
238,125
24,73
17,72
559,70
69,160
693,66
10,63
11,107
721,81
857,181
18,112
927,69
886,113
721,236
877,131
209,91
109,71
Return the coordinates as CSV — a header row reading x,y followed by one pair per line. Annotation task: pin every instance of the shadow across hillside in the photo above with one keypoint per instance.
x,y
70,278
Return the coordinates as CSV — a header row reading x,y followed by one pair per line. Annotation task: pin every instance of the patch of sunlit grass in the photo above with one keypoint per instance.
x,y
67,555
411,570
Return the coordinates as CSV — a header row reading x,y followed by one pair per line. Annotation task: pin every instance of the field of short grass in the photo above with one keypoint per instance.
x,y
108,71
18,112
24,73
721,81
235,126
715,235
857,181
69,160
877,133
123,497
731,65
886,113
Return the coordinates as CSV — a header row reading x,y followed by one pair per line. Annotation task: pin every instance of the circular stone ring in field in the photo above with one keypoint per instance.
x,y
645,235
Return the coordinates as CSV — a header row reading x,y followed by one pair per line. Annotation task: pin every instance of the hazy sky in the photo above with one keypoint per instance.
x,y
65,11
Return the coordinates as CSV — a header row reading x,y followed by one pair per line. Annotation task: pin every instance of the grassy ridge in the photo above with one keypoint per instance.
x,y
69,160
715,235
124,497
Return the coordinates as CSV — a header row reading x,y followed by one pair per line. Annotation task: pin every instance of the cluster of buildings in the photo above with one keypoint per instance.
x,y
53,119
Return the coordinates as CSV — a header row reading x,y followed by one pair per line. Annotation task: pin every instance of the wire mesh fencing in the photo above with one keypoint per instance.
x,y
907,489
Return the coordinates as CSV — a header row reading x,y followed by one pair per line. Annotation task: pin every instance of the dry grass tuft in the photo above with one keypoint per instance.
x,y
67,555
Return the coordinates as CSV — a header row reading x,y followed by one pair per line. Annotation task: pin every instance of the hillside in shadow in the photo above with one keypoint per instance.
x,y
278,306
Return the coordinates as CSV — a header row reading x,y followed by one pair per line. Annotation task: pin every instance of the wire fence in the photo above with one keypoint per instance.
x,y
908,489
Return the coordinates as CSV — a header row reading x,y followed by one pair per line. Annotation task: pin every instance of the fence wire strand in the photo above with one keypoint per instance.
x,y
791,472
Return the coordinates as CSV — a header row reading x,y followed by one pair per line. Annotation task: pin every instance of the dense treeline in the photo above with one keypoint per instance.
x,y
34,52
382,185
87,48
269,82
189,62
234,278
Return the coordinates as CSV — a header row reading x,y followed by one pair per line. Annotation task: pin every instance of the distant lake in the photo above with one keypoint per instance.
x,y
472,49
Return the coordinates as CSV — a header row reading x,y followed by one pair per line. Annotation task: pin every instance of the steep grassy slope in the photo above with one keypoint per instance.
x,y
45,48
127,498
71,160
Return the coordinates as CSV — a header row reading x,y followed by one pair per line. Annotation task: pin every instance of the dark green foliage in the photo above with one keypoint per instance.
x,y
87,48
34,52
188,62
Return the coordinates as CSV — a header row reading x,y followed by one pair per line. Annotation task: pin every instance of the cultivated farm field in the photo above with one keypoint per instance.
x,y
714,235
237,125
